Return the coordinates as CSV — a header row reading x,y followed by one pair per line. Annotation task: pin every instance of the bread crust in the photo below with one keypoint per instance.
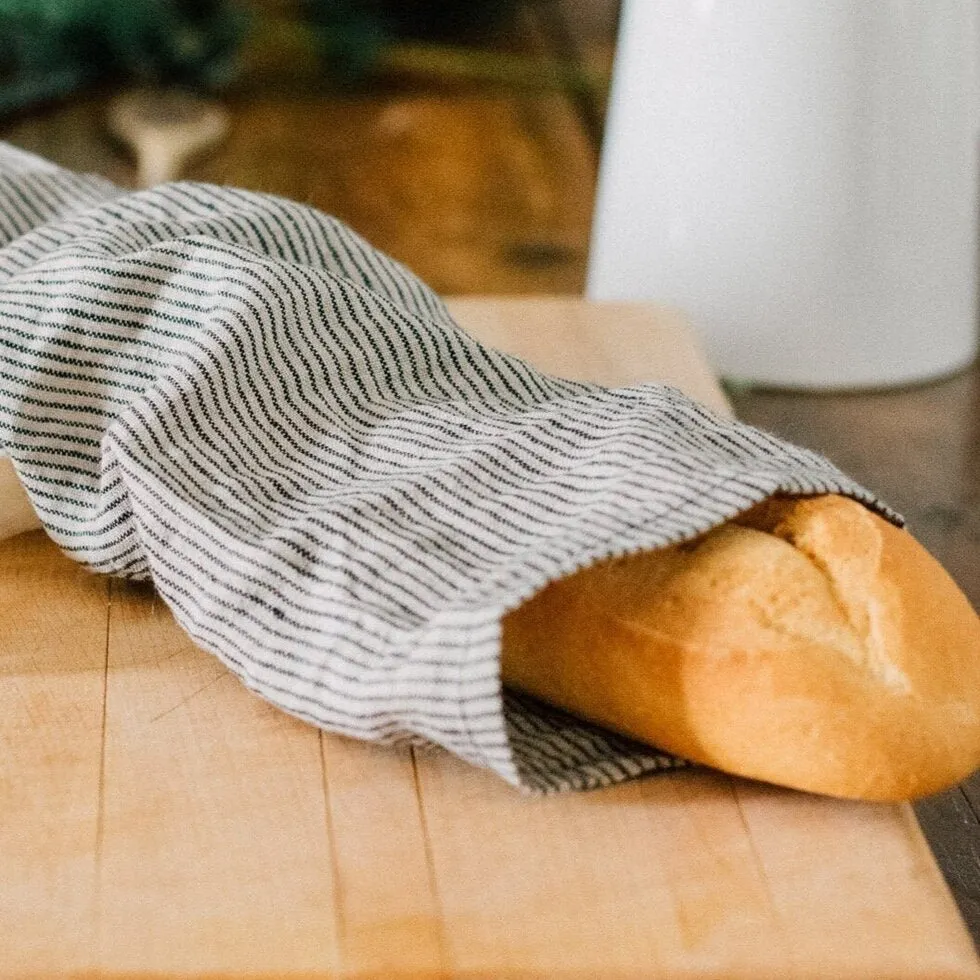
x,y
808,643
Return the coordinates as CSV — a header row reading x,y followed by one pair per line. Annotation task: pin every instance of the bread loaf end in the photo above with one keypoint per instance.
x,y
808,643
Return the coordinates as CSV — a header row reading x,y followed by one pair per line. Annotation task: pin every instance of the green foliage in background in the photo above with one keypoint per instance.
x,y
352,34
50,48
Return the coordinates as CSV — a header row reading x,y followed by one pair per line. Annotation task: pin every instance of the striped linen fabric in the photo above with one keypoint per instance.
x,y
335,489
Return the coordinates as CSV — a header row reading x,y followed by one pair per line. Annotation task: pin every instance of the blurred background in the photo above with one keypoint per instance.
x,y
459,136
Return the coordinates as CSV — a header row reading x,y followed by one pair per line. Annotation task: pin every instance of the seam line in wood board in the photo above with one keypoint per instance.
x,y
430,866
339,923
756,857
100,811
959,898
222,672
969,802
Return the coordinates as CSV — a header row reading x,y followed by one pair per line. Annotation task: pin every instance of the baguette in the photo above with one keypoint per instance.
x,y
808,643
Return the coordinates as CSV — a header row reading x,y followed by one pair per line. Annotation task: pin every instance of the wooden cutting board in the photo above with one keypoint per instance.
x,y
158,820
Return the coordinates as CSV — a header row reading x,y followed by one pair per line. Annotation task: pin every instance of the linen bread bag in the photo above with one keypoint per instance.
x,y
374,520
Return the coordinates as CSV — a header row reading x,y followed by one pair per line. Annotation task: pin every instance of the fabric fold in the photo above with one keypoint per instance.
x,y
334,488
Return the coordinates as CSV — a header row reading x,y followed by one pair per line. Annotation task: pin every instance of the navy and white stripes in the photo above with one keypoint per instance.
x,y
335,489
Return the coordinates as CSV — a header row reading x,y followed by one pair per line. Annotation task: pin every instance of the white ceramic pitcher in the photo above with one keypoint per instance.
x,y
801,179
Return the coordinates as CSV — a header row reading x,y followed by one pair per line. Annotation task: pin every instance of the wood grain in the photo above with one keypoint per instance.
x,y
390,921
950,824
214,854
725,878
808,859
52,685
479,192
16,513
609,343
160,820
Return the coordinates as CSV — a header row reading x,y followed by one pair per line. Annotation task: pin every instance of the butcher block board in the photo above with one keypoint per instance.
x,y
159,821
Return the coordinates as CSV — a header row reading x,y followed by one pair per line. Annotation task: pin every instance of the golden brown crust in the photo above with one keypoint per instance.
x,y
808,643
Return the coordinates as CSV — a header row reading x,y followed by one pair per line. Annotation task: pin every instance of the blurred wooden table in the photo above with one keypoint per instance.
x,y
477,191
